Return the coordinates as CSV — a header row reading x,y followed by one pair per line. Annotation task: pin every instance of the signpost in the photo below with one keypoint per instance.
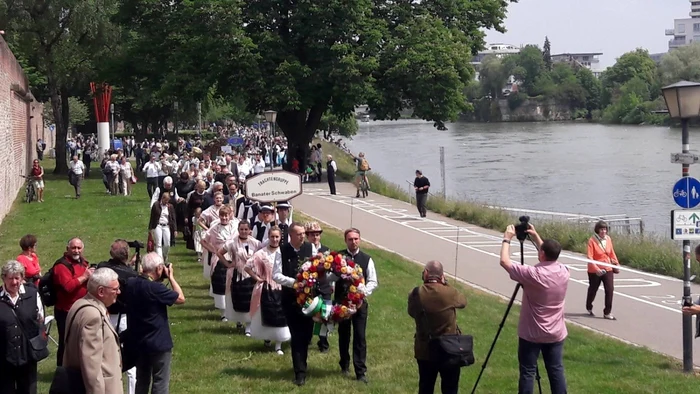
x,y
686,192
273,186
685,158
685,225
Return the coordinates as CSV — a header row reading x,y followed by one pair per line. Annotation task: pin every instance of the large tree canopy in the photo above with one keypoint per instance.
x,y
309,57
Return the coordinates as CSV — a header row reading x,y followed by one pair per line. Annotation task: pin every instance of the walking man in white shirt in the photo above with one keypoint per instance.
x,y
75,176
152,168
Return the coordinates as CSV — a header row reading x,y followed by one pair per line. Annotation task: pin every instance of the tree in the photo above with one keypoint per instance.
x,y
332,124
547,54
493,75
79,112
681,64
306,59
527,67
59,40
592,87
633,64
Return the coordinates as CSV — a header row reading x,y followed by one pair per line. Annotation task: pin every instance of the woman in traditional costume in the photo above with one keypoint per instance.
x,y
206,219
220,232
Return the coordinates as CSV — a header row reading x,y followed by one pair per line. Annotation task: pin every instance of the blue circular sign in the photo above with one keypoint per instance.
x,y
686,192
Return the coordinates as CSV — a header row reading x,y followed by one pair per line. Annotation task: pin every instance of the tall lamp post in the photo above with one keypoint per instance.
x,y
199,115
683,102
271,117
175,107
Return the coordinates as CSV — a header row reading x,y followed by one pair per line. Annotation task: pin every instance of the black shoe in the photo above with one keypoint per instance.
x,y
300,381
345,371
363,379
323,349
357,195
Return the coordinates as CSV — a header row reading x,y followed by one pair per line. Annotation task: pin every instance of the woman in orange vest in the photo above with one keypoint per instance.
x,y
600,248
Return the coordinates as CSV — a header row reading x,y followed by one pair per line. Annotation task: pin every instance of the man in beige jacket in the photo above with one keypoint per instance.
x,y
92,345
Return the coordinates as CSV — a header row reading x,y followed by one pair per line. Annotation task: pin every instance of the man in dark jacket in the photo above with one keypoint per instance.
x,y
300,325
119,263
433,306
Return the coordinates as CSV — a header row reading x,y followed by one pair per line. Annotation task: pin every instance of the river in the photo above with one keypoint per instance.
x,y
577,168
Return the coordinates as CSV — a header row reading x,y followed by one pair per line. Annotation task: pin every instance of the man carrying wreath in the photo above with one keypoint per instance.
x,y
358,321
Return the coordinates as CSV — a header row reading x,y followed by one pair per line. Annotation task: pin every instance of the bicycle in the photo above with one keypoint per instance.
x,y
364,186
29,191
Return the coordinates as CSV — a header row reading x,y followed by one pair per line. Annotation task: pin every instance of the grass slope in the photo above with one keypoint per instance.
x,y
213,357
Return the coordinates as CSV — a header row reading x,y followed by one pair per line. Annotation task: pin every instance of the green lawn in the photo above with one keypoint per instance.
x,y
212,357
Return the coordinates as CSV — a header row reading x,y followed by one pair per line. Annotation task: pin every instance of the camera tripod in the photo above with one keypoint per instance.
x,y
505,316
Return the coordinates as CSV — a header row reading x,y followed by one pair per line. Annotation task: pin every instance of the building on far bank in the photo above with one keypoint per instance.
x,y
499,50
589,60
685,31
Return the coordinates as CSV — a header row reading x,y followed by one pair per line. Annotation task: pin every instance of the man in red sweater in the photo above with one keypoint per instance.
x,y
71,273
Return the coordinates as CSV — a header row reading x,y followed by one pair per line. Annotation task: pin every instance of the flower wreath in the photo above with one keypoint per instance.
x,y
349,276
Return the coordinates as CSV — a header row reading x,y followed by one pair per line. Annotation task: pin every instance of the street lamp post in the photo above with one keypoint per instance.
x,y
683,102
271,117
175,107
199,114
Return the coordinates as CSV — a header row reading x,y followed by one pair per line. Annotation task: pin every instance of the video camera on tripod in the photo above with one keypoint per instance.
x,y
521,229
138,246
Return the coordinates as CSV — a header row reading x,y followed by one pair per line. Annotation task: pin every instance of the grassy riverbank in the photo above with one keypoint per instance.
x,y
213,357
650,253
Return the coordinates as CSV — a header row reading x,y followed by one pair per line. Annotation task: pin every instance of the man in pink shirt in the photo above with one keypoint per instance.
x,y
541,327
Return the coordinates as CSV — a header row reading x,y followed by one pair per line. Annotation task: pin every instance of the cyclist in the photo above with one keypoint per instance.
x,y
362,168
38,179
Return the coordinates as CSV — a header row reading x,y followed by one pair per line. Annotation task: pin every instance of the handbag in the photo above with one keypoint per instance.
x,y
271,311
450,350
39,344
614,270
67,380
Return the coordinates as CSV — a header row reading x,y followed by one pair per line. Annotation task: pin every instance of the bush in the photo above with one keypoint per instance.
x,y
516,99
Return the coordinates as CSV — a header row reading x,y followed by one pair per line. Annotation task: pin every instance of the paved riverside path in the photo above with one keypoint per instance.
x,y
647,306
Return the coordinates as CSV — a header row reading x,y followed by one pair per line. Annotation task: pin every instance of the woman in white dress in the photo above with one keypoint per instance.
x,y
240,249
126,174
220,232
260,268
207,217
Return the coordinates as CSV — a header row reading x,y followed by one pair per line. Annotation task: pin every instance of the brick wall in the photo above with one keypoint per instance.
x,y
21,124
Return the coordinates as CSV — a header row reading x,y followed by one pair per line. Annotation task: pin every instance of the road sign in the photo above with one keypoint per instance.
x,y
685,158
236,141
686,192
273,186
685,224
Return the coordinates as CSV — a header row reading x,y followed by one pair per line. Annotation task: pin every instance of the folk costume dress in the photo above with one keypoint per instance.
x,y
209,215
218,235
197,235
262,262
240,251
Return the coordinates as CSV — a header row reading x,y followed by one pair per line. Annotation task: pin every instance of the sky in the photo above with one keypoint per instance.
x,y
612,27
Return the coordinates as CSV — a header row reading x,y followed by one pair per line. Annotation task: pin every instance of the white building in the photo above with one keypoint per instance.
x,y
686,31
590,60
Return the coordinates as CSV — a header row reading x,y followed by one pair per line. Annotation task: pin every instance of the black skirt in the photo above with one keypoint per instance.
x,y
218,279
271,312
241,292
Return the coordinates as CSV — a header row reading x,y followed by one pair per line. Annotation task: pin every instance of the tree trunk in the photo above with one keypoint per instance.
x,y
299,128
61,112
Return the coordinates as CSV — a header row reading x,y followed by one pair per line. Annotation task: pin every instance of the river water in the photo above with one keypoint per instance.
x,y
577,168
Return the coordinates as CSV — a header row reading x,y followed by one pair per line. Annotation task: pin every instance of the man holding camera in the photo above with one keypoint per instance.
x,y
119,263
434,308
147,302
541,327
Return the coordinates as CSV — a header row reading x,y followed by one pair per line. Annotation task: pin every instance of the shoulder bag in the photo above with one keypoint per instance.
x,y
450,350
600,242
68,380
39,344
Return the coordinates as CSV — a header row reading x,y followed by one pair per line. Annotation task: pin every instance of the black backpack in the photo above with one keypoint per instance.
x,y
47,286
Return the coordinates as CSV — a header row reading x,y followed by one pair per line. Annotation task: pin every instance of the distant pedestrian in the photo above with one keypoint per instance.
x,y
75,176
331,169
421,184
600,248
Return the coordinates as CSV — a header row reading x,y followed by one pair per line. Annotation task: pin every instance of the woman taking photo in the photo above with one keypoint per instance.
x,y
21,319
162,225
600,248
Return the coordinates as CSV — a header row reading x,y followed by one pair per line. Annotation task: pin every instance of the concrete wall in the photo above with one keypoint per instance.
x,y
21,124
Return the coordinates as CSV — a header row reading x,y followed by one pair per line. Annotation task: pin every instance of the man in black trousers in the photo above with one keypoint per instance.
x,y
331,169
300,326
358,321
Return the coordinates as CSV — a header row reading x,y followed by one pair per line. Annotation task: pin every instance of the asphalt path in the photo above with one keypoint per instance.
x,y
647,306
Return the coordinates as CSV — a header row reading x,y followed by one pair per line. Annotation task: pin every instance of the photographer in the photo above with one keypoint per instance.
x,y
541,327
434,308
119,263
147,302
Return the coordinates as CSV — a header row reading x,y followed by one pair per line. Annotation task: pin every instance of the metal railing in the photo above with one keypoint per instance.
x,y
617,223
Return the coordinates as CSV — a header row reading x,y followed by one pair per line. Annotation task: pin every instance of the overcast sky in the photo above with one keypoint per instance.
x,y
612,27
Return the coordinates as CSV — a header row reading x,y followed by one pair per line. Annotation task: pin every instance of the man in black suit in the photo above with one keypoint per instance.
x,y
313,235
300,326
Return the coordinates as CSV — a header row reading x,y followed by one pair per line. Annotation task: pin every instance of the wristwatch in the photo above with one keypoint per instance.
x,y
506,241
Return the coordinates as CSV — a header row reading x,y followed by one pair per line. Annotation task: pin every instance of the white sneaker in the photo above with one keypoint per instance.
x,y
247,334
224,319
609,316
280,352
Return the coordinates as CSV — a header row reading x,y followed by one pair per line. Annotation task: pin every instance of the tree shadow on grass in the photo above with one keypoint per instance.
x,y
286,375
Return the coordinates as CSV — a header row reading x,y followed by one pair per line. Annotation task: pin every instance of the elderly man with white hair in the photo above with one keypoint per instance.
x,y
92,345
167,187
147,302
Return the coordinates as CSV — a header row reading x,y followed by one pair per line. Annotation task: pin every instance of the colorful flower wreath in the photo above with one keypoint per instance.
x,y
349,276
